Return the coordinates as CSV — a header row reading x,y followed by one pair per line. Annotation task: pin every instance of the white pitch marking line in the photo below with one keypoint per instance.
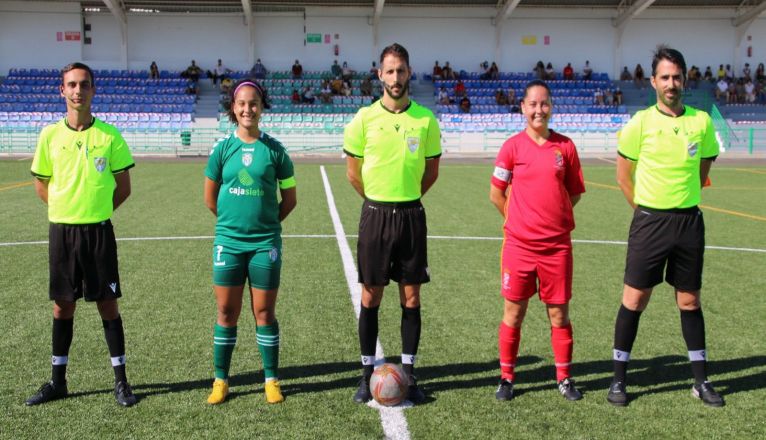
x,y
393,420
430,237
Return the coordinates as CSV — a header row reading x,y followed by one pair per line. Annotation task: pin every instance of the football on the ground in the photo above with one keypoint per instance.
x,y
388,385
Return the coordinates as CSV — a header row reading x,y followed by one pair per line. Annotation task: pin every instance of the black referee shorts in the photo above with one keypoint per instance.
x,y
659,238
392,243
83,262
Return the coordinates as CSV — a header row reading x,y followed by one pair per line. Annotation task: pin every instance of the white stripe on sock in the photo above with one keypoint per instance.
x,y
368,360
118,360
619,355
59,360
697,355
408,359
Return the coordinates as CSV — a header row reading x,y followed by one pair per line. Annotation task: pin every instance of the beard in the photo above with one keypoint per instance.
x,y
403,89
670,102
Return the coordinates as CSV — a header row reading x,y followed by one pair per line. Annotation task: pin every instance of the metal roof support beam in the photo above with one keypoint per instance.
x,y
247,9
119,14
378,11
506,11
749,16
632,12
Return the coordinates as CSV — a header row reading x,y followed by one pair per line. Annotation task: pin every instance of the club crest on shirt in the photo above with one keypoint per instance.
x,y
692,148
273,254
247,159
413,143
559,159
100,163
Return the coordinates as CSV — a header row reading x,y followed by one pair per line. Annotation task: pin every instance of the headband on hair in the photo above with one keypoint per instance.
x,y
248,83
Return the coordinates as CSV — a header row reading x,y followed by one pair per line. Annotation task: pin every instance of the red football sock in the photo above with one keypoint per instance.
x,y
562,343
508,345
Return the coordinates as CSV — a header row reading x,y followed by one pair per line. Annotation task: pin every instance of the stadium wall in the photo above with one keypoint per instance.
x,y
464,36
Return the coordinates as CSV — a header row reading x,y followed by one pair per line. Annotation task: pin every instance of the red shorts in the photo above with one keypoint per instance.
x,y
523,268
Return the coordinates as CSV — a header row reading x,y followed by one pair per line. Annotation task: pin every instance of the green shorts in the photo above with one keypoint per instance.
x,y
260,267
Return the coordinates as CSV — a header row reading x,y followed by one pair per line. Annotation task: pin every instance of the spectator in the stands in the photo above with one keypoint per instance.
x,y
729,73
539,70
732,95
638,76
617,96
226,85
325,95
740,88
443,97
219,72
297,70
459,89
568,72
346,72
346,88
465,105
494,71
295,98
336,86
587,71
259,70
760,73
598,97
760,93
746,73
484,66
308,95
512,96
192,72
335,69
500,97
373,71
447,72
608,97
749,91
708,76
721,72
436,73
722,90
692,77
625,75
550,74
366,87
154,71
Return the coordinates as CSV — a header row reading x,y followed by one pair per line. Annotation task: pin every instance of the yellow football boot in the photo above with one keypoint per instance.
x,y
273,392
220,391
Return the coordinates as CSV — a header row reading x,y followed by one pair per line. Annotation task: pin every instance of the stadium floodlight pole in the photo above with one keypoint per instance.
x,y
376,22
247,9
502,14
632,12
122,19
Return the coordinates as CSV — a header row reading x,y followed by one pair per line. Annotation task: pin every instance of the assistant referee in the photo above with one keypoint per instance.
x,y
393,149
81,172
665,155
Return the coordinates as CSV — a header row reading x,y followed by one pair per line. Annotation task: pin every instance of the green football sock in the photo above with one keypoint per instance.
x,y
224,340
268,344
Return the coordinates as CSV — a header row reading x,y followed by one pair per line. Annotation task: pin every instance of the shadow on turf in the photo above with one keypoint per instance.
x,y
662,374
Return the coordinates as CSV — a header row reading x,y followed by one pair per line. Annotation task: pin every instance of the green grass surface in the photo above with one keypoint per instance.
x,y
169,311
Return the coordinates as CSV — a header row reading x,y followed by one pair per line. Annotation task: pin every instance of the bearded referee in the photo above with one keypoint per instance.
x,y
81,172
665,155
393,149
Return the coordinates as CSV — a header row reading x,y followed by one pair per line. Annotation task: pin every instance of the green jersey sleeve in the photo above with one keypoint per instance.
x,y
710,147
353,136
433,142
629,138
285,171
121,159
214,168
41,163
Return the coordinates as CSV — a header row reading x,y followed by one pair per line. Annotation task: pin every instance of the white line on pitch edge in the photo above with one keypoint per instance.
x,y
393,420
430,237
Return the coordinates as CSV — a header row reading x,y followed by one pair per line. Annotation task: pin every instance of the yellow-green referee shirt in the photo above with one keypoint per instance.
x,y
394,148
80,167
667,151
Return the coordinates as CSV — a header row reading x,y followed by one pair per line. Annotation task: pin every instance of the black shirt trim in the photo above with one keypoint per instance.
x,y
352,154
124,169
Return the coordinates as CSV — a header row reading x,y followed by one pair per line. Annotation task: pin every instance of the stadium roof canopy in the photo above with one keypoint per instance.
x,y
738,7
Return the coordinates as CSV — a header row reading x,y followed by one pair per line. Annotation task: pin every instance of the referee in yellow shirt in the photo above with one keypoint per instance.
x,y
665,155
393,149
81,172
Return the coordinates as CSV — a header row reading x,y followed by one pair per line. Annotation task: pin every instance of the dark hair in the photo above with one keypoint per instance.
x,y
265,103
536,83
396,50
664,52
73,66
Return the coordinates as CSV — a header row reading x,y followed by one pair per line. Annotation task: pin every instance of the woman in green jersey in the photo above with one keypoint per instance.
x,y
243,175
